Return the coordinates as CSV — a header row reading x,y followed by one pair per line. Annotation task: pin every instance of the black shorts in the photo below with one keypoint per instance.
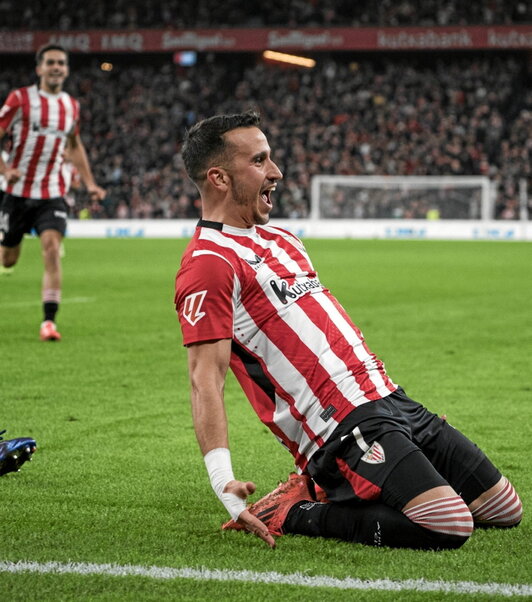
x,y
19,216
394,449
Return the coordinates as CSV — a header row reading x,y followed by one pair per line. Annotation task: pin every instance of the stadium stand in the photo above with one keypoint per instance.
x,y
130,14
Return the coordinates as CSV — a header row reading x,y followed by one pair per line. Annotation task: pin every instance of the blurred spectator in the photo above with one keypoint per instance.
x,y
132,14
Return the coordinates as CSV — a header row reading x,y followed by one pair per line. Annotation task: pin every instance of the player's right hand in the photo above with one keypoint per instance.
x,y
246,519
12,175
96,193
257,527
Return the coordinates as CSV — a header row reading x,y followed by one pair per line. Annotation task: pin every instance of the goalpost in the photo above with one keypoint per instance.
x,y
401,197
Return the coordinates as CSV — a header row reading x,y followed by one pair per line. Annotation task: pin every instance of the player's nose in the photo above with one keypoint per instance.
x,y
274,173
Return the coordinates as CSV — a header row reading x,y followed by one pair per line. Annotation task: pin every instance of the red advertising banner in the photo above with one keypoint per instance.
x,y
256,40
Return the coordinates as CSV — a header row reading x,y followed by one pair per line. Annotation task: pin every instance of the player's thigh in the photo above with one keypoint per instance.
x,y
456,458
51,215
14,223
413,476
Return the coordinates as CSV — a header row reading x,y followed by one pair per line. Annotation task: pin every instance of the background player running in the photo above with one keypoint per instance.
x,y
43,121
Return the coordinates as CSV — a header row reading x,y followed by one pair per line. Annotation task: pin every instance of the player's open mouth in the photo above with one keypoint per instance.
x,y
265,196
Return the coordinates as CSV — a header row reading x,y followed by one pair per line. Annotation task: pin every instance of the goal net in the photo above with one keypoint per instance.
x,y
401,197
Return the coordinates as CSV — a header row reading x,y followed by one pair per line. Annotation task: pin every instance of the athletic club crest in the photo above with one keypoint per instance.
x,y
192,307
374,455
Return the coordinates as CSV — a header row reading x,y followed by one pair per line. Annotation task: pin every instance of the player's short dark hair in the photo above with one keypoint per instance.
x,y
39,55
204,142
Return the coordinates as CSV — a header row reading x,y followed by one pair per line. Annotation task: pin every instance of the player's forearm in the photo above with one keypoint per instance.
x,y
210,424
79,158
210,421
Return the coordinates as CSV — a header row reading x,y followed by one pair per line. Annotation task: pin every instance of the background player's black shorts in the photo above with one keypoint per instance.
x,y
19,215
394,449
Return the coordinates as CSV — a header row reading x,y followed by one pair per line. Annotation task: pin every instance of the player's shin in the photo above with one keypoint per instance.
x,y
372,524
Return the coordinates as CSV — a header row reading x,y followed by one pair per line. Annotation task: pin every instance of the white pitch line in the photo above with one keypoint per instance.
x,y
37,302
298,579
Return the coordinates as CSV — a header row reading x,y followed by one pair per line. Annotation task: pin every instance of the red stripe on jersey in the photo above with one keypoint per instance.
x,y
44,111
25,106
364,489
62,115
46,180
32,167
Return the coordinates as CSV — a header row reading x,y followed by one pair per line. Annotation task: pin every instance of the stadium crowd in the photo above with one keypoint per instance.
x,y
407,115
133,14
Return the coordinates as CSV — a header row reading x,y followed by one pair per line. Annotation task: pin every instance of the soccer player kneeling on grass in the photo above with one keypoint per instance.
x,y
375,467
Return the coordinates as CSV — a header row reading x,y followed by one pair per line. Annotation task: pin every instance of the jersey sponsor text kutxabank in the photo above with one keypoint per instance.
x,y
301,361
39,123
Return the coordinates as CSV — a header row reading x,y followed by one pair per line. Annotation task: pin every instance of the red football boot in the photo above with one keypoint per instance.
x,y
273,508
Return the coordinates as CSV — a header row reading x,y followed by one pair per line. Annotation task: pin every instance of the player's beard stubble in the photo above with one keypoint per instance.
x,y
244,198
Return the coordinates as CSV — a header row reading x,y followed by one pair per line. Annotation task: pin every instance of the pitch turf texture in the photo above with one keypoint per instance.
x,y
118,480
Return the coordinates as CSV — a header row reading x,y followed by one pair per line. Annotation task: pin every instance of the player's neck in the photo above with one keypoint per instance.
x,y
50,89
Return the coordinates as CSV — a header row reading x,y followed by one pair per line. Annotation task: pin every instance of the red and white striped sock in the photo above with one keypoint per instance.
x,y
448,515
51,295
503,509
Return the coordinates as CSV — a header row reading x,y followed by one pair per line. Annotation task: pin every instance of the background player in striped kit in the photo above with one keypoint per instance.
x,y
247,296
43,121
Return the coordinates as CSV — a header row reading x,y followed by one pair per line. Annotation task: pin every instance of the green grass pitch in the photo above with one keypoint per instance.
x,y
118,477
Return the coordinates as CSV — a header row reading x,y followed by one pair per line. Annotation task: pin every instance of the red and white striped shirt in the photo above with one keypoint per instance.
x,y
39,123
302,363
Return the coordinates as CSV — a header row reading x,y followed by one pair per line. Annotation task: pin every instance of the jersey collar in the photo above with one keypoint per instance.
x,y
203,223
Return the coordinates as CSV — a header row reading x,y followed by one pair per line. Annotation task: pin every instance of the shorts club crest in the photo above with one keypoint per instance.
x,y
374,455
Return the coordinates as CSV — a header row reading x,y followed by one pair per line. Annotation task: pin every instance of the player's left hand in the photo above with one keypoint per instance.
x,y
96,193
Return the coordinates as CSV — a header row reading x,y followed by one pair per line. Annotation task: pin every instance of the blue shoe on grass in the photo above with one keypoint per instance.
x,y
14,452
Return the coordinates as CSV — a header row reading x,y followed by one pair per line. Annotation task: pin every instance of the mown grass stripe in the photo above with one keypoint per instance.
x,y
38,302
298,579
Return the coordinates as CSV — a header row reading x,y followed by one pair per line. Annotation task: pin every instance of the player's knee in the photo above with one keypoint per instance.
x,y
444,541
502,509
9,259
448,519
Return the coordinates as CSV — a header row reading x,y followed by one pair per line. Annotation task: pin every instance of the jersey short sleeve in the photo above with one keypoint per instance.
x,y
8,111
204,299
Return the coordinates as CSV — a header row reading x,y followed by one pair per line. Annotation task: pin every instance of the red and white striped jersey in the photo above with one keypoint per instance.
x,y
39,123
302,363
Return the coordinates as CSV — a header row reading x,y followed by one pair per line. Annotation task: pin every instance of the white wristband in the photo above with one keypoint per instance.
x,y
218,463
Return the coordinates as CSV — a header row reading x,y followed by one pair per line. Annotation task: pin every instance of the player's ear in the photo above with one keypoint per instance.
x,y
218,178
